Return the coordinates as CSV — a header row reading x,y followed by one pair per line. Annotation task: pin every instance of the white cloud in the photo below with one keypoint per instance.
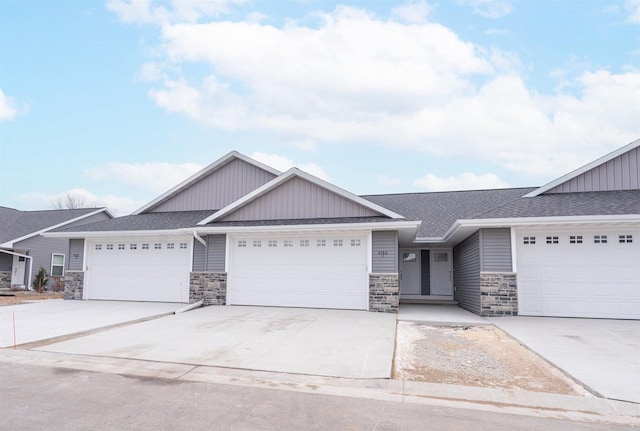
x,y
155,177
146,11
489,8
464,181
118,205
413,12
385,180
283,164
9,108
497,31
355,78
633,8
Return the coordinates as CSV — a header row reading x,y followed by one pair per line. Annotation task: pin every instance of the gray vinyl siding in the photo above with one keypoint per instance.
x,y
495,246
299,199
40,249
620,173
75,258
6,260
218,189
385,251
466,270
199,257
216,250
425,272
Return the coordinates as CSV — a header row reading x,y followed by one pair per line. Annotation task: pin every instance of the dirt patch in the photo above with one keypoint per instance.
x,y
21,297
481,356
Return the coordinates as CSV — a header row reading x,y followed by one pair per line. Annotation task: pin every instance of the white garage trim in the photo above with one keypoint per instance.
x,y
140,268
314,270
576,274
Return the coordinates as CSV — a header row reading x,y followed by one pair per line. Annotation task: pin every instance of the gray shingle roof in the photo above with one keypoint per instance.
x,y
569,204
147,221
439,210
15,223
380,219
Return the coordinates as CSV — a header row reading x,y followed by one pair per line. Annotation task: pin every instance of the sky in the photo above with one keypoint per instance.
x,y
117,101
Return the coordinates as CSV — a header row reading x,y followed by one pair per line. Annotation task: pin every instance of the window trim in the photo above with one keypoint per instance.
x,y
57,265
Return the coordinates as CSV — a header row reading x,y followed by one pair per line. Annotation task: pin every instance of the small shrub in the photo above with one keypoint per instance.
x,y
40,280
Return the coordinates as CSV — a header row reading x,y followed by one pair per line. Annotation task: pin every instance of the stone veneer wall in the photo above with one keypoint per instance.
x,y
210,286
73,284
498,294
5,279
384,292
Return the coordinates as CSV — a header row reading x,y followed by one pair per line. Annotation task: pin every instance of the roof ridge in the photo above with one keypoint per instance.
x,y
449,191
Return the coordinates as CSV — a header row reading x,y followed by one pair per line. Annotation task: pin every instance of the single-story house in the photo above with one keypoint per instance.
x,y
23,249
242,233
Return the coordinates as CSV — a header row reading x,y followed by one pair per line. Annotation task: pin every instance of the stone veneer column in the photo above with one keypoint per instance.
x,y
73,284
384,292
498,294
210,286
5,279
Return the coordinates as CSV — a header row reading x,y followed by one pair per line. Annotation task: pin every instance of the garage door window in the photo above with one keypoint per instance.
x,y
304,243
273,243
552,240
575,239
98,246
170,246
242,243
529,240
355,243
599,239
183,245
109,246
57,264
625,239
257,243
145,246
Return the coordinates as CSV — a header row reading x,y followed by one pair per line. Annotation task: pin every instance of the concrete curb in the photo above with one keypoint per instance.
x,y
568,407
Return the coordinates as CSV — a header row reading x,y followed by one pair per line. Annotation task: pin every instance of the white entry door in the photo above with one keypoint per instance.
x,y
582,272
314,271
139,269
17,273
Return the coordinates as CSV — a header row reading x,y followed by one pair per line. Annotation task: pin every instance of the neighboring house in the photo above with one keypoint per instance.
x,y
242,233
23,249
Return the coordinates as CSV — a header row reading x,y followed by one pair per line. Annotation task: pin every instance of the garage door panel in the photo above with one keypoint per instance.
x,y
588,279
137,274
320,271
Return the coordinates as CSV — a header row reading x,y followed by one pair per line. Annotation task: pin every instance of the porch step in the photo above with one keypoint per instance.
x,y
429,301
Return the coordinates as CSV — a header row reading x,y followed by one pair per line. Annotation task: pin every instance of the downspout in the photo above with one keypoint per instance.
x,y
199,238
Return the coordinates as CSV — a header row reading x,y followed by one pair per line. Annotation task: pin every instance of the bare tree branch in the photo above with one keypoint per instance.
x,y
72,201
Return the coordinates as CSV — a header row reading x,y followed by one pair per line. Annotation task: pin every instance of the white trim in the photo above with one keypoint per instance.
x,y
13,253
391,225
118,233
295,172
10,243
601,161
203,173
85,268
200,239
370,252
514,243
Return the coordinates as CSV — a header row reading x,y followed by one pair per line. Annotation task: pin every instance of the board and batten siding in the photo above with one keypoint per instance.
x,y
619,173
385,252
495,247
218,189
298,198
216,250
466,266
75,259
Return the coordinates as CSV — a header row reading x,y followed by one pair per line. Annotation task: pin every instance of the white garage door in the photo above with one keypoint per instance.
x,y
139,269
317,271
585,272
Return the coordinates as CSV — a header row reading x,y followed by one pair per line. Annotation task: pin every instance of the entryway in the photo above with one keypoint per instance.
x,y
426,274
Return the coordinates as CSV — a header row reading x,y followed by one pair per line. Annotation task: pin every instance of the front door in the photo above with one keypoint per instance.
x,y
441,276
17,275
409,266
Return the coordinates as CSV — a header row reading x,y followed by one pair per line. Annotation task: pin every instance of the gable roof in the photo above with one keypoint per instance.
x,y
589,166
16,225
203,173
296,173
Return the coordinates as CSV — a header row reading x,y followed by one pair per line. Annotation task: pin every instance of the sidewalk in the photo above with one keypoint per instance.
x,y
591,409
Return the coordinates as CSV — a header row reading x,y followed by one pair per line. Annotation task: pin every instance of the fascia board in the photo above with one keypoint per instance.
x,y
202,173
391,225
601,161
42,231
116,233
286,176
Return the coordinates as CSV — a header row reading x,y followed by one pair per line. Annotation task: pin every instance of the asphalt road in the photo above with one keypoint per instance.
x,y
43,398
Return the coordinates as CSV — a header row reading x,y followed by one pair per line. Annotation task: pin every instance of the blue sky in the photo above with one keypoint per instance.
x,y
120,100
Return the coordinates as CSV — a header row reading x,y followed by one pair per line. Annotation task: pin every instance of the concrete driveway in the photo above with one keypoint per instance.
x,y
41,320
602,354
334,343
